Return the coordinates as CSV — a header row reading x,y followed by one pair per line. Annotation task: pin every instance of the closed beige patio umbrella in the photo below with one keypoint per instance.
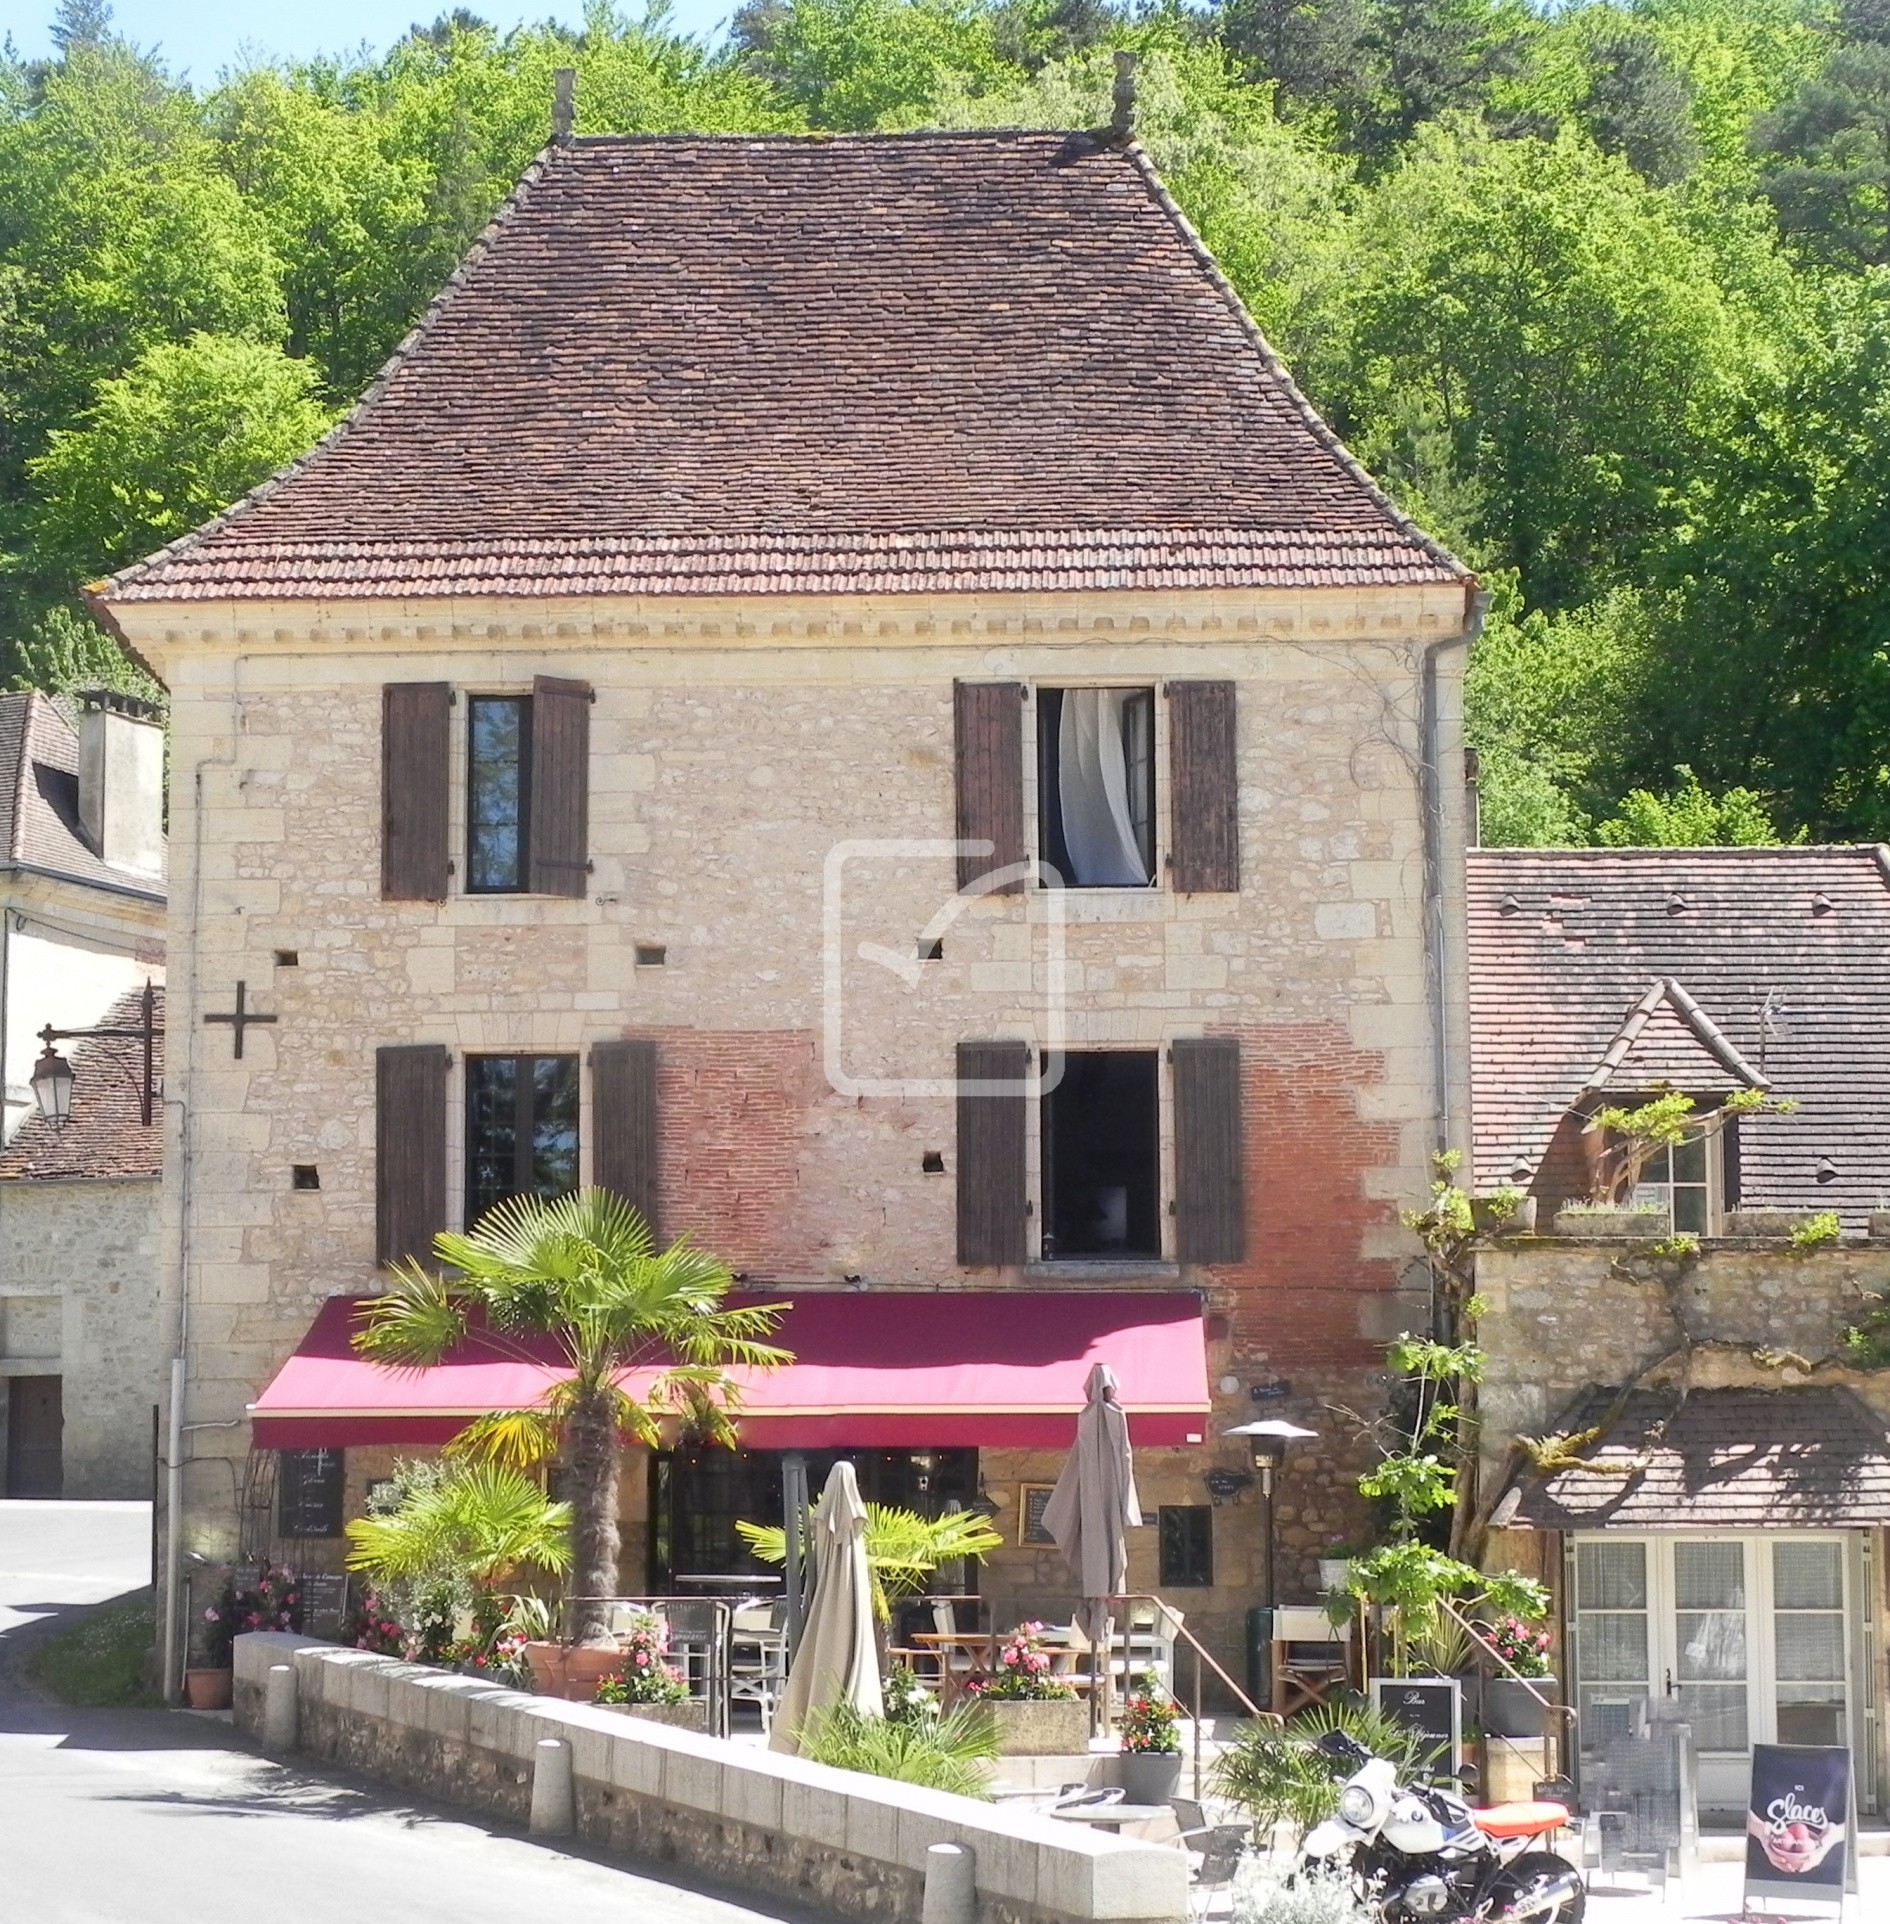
x,y
1092,1506
838,1659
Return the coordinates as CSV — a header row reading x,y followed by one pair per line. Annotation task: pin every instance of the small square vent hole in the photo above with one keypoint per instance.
x,y
288,959
651,955
932,1163
933,950
304,1175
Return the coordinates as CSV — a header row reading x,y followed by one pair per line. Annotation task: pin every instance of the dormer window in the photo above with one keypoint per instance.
x,y
1689,1181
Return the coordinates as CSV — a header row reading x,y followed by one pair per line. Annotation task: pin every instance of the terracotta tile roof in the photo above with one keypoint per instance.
x,y
1743,966
872,363
104,1134
39,797
1812,1458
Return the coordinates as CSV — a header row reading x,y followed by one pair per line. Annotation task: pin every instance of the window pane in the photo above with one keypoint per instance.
x,y
1709,1576
1810,1647
1611,1646
1689,1160
1717,1713
1101,1157
1187,1545
1611,1576
491,1132
499,734
1808,1576
1689,1209
1712,1644
554,1125
1096,785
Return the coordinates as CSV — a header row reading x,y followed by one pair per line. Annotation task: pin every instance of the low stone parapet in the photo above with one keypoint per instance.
x,y
832,1839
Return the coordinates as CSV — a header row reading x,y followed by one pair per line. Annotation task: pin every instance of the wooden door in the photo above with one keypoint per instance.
x,y
34,1422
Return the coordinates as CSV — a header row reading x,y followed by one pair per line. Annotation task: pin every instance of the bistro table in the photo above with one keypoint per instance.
x,y
1110,1816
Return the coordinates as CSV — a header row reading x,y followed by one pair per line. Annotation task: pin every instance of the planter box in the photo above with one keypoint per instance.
x,y
1612,1225
1332,1573
1521,1221
570,1671
1510,1710
1769,1223
1045,1729
692,1715
1150,1776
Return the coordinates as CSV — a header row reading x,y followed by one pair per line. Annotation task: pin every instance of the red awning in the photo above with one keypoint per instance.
x,y
880,1370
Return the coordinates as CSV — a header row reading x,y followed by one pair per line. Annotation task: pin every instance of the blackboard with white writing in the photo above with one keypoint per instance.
x,y
309,1492
1432,1707
324,1605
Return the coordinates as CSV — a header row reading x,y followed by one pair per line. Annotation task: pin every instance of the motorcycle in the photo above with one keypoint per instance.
x,y
1422,1855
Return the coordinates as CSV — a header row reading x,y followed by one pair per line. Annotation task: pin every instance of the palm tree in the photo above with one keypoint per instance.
x,y
584,1271
480,1521
903,1548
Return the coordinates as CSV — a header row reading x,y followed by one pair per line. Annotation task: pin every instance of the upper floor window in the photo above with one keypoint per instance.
x,y
1102,1157
498,792
521,1129
1688,1182
1096,786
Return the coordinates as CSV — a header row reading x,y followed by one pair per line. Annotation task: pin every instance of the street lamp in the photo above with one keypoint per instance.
x,y
52,1073
1268,1441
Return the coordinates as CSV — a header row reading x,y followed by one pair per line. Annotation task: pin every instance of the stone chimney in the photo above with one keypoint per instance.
x,y
121,780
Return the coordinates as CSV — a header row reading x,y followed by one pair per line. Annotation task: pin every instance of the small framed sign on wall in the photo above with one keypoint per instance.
x,y
1031,1500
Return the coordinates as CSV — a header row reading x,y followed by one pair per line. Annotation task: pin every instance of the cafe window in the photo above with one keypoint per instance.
x,y
521,1129
1186,1532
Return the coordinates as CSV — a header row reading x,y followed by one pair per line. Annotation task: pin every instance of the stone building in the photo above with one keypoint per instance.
x,y
1708,1477
81,930
624,752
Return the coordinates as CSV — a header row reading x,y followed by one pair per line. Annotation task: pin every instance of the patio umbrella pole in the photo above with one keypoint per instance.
x,y
794,1519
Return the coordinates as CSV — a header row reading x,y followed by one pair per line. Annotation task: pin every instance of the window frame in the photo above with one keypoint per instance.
x,y
1046,1184
523,703
1044,757
1656,1191
525,1119
1199,1555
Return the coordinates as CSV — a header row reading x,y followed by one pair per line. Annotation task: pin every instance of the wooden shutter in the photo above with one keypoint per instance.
x,y
416,731
623,1123
409,1150
1205,787
991,1202
988,734
561,787
1210,1225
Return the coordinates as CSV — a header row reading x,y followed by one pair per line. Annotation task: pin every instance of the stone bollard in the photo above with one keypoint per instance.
x,y
554,1800
951,1891
280,1708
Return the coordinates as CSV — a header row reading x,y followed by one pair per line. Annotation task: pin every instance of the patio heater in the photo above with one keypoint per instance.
x,y
1268,1441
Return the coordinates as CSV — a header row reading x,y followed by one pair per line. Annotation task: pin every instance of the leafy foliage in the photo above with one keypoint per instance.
x,y
952,1752
485,1521
903,1547
1277,1774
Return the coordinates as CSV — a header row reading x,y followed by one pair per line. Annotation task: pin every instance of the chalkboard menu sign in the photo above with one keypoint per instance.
x,y
308,1493
1031,1501
1432,1707
245,1578
324,1605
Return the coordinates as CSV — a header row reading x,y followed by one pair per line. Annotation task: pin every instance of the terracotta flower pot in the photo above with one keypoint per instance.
x,y
570,1671
208,1689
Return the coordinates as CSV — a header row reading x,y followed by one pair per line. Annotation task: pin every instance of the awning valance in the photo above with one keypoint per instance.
x,y
872,1370
1816,1457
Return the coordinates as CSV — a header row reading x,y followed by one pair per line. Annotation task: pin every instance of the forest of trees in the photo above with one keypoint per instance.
x,y
1602,292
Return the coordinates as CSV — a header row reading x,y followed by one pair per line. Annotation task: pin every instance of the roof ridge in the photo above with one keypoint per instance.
x,y
1712,1038
94,592
1316,422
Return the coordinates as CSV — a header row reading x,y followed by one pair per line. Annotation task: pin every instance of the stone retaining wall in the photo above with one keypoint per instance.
x,y
830,1839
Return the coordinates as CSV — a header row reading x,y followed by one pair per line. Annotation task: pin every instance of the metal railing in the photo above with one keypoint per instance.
x,y
698,1626
1554,1709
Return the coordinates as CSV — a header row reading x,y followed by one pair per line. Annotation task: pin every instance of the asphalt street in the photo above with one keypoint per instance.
x,y
166,1817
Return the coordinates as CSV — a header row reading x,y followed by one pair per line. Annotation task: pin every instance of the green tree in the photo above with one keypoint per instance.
x,y
1830,153
903,1547
1688,817
583,1272
188,429
63,651
484,1522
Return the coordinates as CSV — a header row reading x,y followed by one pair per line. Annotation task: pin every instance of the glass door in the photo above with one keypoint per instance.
x,y
1810,1680
1613,1662
1709,1666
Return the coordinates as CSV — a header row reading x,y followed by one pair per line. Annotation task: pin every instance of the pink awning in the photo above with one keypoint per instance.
x,y
874,1370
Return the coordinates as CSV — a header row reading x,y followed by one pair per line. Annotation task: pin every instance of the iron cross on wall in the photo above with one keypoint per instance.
x,y
240,1018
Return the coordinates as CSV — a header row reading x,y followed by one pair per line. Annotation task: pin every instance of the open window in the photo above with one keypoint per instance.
x,y
1102,1157
1096,786
1688,1181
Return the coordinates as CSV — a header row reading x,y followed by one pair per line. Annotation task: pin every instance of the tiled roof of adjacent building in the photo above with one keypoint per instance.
x,y
105,1134
1602,974
39,798
1810,1458
868,363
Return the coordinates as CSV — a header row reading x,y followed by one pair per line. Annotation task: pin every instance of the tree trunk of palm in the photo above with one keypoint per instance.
x,y
591,1451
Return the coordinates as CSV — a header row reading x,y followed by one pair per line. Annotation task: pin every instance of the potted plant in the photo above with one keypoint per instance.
x,y
648,1685
1151,1744
274,1602
1333,1565
1033,1713
1512,1708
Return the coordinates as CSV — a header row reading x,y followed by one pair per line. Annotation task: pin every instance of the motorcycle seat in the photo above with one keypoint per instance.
x,y
1519,1820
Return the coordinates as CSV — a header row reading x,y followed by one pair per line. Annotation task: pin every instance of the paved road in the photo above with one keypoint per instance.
x,y
163,1817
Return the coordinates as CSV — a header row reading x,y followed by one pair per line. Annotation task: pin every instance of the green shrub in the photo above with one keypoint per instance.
x,y
100,1661
947,1755
1275,1772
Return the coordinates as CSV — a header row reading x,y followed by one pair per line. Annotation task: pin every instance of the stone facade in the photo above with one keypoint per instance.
x,y
735,748
77,1267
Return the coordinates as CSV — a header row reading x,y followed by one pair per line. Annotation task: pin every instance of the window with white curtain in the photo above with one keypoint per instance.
x,y
1096,786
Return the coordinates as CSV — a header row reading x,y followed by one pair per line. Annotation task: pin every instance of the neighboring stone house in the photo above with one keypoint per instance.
x,y
81,929
79,1223
574,752
1722,1558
